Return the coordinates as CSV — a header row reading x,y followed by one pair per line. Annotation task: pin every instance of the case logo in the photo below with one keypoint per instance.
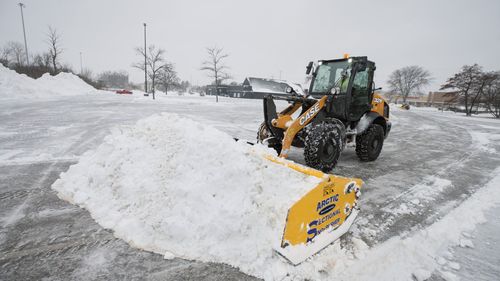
x,y
309,114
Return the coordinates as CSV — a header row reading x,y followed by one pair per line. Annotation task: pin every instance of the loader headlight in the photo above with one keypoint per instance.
x,y
335,91
288,90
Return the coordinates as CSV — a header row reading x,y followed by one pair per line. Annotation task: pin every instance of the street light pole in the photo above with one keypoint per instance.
x,y
21,5
81,64
145,63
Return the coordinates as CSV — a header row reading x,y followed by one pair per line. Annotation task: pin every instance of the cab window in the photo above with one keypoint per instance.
x,y
360,94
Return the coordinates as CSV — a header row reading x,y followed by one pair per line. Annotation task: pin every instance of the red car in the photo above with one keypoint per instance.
x,y
124,92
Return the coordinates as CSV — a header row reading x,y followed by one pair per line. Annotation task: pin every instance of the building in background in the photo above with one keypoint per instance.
x,y
442,100
251,88
114,79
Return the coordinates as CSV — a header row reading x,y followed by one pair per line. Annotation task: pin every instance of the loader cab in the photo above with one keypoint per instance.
x,y
348,83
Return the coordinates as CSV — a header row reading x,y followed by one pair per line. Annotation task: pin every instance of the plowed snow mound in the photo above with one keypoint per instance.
x,y
66,83
181,188
14,84
20,86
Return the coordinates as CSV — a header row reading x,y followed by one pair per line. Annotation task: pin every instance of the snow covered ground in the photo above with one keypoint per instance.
x,y
436,179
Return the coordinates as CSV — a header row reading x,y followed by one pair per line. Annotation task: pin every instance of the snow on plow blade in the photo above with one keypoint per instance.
x,y
321,216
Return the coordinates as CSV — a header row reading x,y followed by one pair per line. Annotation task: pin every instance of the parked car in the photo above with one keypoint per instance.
x,y
124,92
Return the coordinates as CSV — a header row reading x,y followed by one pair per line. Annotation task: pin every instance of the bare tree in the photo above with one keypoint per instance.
x,y
185,86
13,53
4,57
114,79
408,79
492,94
470,83
216,68
55,50
43,60
154,63
86,75
168,77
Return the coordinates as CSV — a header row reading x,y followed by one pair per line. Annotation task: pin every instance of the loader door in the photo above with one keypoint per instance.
x,y
327,74
360,99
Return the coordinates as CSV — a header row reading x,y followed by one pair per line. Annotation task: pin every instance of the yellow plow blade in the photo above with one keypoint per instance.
x,y
321,216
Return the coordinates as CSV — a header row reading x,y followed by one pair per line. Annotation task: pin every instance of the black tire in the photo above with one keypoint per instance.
x,y
264,133
323,146
369,143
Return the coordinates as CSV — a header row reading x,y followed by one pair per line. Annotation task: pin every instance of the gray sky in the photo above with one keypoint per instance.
x,y
264,37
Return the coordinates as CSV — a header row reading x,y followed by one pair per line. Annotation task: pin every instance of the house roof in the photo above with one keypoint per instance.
x,y
265,85
271,85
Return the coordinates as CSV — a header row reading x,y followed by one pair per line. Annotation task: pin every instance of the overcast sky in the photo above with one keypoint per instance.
x,y
263,38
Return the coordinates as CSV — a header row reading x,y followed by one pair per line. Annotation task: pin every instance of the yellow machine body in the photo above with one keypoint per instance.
x,y
327,210
293,126
378,104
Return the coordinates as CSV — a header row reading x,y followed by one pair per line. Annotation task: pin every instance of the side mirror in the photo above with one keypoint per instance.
x,y
309,67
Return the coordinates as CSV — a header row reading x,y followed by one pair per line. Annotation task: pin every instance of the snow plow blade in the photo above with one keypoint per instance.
x,y
321,216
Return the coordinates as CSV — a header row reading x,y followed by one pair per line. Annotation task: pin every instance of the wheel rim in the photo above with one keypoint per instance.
x,y
328,151
376,144
263,133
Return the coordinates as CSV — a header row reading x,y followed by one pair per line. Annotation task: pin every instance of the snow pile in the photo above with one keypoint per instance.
x,y
12,83
20,86
184,189
180,188
66,83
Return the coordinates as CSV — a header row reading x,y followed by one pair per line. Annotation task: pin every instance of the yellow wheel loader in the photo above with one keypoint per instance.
x,y
341,106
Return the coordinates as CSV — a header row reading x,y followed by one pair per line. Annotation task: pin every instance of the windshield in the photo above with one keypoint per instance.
x,y
327,74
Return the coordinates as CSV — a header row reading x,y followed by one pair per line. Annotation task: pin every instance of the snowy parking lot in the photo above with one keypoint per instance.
x,y
437,177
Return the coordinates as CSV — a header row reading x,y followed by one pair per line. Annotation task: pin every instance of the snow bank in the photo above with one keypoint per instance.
x,y
184,189
20,86
12,83
66,83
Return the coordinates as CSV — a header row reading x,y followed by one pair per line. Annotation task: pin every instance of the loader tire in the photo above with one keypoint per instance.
x,y
264,133
323,146
369,143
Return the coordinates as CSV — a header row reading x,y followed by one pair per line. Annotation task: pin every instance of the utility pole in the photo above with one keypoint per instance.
x,y
145,63
81,64
21,5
